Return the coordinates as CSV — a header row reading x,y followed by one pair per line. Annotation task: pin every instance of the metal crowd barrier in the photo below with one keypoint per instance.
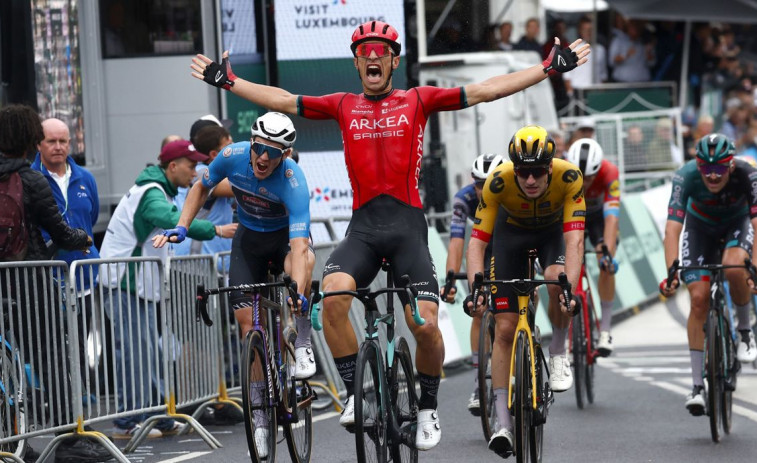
x,y
131,353
41,381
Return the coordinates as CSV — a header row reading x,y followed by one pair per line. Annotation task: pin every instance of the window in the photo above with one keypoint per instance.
x,y
131,28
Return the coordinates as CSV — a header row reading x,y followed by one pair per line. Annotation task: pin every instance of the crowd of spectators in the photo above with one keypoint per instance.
x,y
720,62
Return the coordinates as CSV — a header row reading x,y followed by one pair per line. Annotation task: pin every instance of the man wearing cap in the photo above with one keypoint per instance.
x,y
131,298
209,139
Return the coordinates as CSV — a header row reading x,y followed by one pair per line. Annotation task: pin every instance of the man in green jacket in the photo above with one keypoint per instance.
x,y
133,291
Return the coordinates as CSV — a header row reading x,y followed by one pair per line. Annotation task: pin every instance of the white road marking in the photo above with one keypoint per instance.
x,y
189,456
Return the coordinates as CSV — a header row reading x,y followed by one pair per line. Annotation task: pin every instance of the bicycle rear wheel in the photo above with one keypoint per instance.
x,y
297,398
485,390
592,337
714,368
404,400
257,400
522,399
578,341
370,416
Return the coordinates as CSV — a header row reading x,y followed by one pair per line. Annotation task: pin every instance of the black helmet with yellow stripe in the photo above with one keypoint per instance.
x,y
531,146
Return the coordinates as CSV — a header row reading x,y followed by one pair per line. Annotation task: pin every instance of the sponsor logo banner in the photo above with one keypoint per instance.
x,y
316,29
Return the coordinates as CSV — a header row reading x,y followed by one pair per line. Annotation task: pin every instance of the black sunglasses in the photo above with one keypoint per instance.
x,y
525,172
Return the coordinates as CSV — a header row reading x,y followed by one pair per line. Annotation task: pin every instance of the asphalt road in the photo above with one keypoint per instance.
x,y
638,414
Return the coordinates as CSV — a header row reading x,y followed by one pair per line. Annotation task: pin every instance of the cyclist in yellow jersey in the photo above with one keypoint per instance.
x,y
546,211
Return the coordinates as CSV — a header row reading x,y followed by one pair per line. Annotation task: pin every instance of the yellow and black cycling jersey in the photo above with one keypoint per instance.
x,y
563,200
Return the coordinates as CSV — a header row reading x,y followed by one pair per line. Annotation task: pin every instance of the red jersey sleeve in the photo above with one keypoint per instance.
x,y
442,99
319,107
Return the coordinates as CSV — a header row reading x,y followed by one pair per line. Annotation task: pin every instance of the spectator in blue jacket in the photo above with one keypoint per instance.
x,y
75,192
74,189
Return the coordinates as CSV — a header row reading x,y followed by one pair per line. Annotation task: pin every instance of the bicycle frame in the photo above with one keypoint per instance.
x,y
374,318
523,289
584,293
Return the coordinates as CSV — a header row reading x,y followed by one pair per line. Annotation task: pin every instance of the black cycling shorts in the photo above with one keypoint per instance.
x,y
699,243
595,229
251,254
510,258
385,228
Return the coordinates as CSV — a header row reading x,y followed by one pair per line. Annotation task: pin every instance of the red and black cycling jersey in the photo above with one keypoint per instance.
x,y
383,137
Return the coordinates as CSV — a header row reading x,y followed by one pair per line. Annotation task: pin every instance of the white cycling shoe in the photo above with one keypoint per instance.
x,y
747,350
501,443
429,432
304,363
348,414
604,345
560,376
261,442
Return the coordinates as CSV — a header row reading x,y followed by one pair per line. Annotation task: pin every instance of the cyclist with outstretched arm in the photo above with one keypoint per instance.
x,y
602,194
717,195
382,131
545,210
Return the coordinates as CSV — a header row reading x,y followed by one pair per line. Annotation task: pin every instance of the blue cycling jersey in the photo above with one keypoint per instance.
x,y
278,201
463,206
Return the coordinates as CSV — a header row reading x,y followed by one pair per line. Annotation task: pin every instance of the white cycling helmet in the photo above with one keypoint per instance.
x,y
587,155
275,127
484,165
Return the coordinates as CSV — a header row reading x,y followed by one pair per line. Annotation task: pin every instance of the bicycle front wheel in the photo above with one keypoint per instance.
x,y
370,416
404,402
257,400
485,390
297,398
729,379
714,369
522,399
578,341
592,338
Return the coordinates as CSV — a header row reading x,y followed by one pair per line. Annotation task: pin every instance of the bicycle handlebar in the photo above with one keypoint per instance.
x,y
364,295
201,302
526,286
453,276
748,266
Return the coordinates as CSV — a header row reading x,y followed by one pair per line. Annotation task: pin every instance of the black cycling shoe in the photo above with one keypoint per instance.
x,y
81,450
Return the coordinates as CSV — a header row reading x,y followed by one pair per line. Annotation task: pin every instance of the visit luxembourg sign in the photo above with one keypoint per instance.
x,y
317,29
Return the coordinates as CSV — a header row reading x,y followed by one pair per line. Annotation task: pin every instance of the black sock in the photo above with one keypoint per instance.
x,y
429,389
346,368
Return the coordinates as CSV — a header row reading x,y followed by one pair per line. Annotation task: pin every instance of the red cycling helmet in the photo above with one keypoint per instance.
x,y
376,30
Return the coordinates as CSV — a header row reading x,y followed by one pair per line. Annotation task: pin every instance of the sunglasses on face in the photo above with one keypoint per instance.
x,y
364,50
717,169
479,183
536,172
273,152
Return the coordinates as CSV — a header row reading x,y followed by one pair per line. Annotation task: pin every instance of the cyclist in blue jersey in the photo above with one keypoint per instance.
x,y
464,207
717,195
274,213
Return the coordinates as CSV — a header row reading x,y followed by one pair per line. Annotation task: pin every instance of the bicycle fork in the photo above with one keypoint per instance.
x,y
522,326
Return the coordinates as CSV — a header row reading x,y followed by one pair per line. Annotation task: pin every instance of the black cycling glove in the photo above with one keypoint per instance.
x,y
469,300
560,60
219,75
